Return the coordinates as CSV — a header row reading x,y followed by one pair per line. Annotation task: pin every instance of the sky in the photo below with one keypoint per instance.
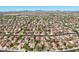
x,y
33,8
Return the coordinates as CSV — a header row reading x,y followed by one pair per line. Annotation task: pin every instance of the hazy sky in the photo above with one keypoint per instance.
x,y
46,8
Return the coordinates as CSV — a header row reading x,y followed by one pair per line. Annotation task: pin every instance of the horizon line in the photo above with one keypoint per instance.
x,y
40,8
